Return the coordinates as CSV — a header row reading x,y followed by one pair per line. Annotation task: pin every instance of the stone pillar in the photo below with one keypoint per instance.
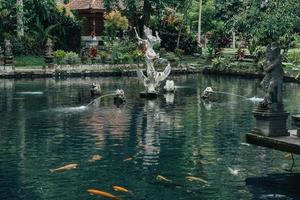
x,y
48,54
8,56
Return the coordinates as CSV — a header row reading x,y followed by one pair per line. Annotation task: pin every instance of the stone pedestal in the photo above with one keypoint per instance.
x,y
296,120
149,95
49,61
271,124
8,60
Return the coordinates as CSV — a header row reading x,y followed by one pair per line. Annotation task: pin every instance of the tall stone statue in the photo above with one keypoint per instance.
x,y
270,115
48,54
273,80
152,78
8,55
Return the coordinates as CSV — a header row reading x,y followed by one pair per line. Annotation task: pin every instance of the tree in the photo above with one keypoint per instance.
x,y
270,21
20,16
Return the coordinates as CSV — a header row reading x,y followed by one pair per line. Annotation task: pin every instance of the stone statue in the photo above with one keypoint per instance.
x,y
49,48
8,55
152,79
270,115
48,52
273,80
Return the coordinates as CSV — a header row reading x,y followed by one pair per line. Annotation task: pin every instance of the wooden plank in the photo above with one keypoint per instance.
x,y
287,143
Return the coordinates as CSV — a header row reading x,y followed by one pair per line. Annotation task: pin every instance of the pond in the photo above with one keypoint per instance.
x,y
45,124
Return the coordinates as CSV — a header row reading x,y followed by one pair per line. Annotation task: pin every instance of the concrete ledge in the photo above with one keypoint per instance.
x,y
289,143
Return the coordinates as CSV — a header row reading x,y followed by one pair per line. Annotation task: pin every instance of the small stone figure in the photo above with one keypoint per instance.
x,y
207,93
8,56
170,86
49,52
273,80
120,97
95,90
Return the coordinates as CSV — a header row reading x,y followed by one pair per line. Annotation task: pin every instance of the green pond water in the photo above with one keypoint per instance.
x,y
45,124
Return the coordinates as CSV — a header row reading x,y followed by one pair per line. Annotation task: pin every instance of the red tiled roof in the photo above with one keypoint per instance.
x,y
85,4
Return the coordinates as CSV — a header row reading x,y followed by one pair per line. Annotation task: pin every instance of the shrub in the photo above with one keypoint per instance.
x,y
294,56
171,57
220,63
115,22
71,58
59,56
104,56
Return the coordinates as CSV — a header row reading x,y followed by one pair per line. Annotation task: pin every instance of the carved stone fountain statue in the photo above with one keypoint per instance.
x,y
49,52
270,115
152,78
8,55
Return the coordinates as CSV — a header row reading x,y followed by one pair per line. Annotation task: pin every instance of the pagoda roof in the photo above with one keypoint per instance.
x,y
85,5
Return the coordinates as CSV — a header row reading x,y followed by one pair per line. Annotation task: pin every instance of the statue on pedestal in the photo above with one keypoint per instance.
x,y
48,52
8,55
152,78
270,115
273,80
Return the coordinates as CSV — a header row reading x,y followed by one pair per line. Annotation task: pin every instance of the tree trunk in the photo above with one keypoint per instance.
x,y
199,23
20,16
233,39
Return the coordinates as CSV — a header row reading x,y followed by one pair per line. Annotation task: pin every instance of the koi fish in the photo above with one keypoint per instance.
x,y
128,159
121,189
161,178
95,158
103,194
288,156
193,178
64,168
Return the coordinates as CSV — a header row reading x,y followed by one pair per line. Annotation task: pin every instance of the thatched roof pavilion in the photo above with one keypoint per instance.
x,y
93,12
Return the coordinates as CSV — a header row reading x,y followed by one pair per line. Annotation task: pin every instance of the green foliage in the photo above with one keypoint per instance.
x,y
28,61
42,19
59,56
123,50
71,58
171,57
270,22
114,23
219,62
294,56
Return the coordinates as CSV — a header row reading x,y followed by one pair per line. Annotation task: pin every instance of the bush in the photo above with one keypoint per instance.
x,y
294,56
71,58
115,22
171,57
59,56
220,63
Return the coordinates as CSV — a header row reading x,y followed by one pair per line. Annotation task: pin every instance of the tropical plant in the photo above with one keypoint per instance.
x,y
115,23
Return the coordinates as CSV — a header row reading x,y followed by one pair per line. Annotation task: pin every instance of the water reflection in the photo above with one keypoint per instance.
x,y
175,136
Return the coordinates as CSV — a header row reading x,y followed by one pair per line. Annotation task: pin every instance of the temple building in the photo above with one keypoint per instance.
x,y
92,11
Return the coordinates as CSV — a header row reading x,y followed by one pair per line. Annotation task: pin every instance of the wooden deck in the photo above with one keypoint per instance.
x,y
287,143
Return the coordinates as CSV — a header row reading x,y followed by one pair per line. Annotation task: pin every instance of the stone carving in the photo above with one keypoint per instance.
x,y
49,52
170,86
152,79
95,90
270,115
8,56
273,80
120,97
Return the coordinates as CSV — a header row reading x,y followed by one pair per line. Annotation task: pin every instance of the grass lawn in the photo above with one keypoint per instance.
x,y
29,61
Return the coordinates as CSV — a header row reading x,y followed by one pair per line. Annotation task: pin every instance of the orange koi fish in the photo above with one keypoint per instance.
x,y
103,194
